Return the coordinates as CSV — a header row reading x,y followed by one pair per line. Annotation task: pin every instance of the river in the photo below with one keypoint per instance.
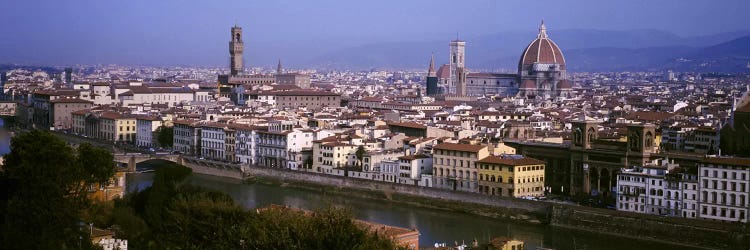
x,y
434,225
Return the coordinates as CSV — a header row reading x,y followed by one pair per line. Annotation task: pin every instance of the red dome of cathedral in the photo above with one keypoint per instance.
x,y
543,51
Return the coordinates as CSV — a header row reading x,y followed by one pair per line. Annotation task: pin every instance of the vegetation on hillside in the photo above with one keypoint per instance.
x,y
45,184
170,214
45,204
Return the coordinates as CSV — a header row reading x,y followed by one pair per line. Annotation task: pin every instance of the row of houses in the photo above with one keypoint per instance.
x,y
719,191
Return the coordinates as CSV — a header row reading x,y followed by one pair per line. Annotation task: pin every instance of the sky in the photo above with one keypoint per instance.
x,y
196,33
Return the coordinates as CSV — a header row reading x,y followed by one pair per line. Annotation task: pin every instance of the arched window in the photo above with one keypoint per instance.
x,y
591,135
577,136
649,139
634,142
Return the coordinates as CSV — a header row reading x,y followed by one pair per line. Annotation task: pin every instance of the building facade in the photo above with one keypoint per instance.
x,y
724,189
455,168
146,127
511,176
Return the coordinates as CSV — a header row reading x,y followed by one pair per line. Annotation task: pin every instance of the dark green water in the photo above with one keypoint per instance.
x,y
434,225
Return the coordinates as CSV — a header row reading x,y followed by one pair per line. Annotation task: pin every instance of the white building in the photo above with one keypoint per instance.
x,y
245,147
725,188
411,168
186,137
213,144
146,127
390,170
135,95
659,188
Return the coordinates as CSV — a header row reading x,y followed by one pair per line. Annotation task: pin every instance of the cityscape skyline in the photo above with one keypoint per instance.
x,y
375,125
143,33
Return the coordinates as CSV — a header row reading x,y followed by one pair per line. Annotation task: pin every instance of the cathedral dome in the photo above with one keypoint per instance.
x,y
541,51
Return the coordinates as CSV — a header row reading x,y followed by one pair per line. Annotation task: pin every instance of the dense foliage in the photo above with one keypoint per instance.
x,y
44,204
45,189
165,136
173,215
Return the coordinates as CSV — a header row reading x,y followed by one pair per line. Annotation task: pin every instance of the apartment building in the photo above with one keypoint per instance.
x,y
146,127
213,141
455,168
411,168
724,188
187,137
511,176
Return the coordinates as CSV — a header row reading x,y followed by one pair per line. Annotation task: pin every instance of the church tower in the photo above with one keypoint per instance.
x,y
279,69
236,48
458,70
432,79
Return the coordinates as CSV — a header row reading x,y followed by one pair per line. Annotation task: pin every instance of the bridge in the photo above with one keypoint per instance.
x,y
131,156
132,159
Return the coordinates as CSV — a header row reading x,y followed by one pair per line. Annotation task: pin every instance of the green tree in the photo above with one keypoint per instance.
x,y
172,215
165,136
360,153
47,188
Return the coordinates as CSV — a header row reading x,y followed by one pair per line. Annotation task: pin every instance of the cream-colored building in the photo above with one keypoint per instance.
x,y
105,125
332,152
454,166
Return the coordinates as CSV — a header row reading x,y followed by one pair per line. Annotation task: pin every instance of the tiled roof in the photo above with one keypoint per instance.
x,y
735,161
408,125
492,159
70,100
460,147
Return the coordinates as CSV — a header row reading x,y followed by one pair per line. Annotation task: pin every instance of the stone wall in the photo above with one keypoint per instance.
x,y
703,233
403,189
200,169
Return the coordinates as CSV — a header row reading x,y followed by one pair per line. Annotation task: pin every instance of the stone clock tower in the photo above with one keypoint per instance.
x,y
236,48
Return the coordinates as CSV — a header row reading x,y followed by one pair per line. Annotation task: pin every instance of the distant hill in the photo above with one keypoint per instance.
x,y
731,56
585,50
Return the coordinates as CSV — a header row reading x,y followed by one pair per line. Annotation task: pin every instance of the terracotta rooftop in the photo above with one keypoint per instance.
x,y
408,125
735,161
460,147
492,159
70,100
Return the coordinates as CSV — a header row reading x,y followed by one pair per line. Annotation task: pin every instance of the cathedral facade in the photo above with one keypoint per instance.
x,y
541,74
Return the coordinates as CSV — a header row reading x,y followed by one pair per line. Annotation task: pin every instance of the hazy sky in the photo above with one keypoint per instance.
x,y
181,32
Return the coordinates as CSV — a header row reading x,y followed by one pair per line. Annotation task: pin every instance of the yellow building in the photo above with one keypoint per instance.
x,y
454,166
114,189
502,243
511,177
105,125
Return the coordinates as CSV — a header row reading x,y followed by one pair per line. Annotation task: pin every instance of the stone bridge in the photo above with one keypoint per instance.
x,y
131,159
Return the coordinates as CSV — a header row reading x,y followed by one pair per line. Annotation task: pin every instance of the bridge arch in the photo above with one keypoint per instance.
x,y
131,160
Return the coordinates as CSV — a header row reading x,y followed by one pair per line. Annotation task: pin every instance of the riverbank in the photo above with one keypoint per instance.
x,y
501,213
679,231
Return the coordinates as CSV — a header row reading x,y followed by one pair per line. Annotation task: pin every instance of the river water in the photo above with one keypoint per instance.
x,y
433,225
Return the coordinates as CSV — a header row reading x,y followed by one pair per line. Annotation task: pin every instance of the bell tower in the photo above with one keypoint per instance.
x,y
585,133
641,138
457,67
236,48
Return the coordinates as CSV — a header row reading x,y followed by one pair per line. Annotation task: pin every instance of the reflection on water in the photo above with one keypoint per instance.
x,y
434,225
